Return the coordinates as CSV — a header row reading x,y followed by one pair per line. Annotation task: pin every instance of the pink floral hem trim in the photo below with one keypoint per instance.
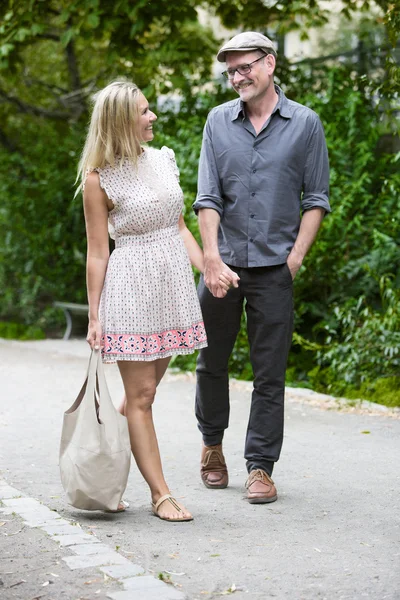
x,y
109,359
142,347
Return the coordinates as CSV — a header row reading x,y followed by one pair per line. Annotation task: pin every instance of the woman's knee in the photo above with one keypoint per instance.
x,y
142,397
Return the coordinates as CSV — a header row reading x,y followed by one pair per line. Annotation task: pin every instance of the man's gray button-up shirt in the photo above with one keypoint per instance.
x,y
260,184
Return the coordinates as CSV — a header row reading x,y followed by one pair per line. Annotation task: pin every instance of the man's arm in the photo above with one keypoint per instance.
x,y
209,207
216,272
315,200
309,225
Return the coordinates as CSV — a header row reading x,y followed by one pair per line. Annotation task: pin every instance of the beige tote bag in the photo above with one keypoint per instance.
x,y
95,451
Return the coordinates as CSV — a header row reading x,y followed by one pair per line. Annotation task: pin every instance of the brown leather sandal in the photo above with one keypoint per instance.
x,y
168,498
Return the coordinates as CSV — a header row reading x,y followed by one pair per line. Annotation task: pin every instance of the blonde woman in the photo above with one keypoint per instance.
x,y
143,306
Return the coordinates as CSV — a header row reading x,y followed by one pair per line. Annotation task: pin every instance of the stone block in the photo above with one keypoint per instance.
x,y
122,571
94,560
86,549
72,540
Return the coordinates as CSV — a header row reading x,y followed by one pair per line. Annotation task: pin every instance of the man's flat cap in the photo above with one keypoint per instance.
x,y
246,41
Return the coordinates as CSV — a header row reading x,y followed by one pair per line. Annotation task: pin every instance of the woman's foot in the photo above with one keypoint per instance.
x,y
168,509
122,506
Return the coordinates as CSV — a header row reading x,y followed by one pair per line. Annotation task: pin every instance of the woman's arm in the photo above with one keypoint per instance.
x,y
95,204
192,247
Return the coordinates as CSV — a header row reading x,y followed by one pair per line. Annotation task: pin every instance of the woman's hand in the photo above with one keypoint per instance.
x,y
93,337
218,277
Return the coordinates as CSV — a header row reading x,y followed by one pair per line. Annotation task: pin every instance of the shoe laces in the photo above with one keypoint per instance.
x,y
213,458
259,475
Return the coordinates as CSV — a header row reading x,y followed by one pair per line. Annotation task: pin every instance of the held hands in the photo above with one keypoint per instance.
x,y
218,277
93,337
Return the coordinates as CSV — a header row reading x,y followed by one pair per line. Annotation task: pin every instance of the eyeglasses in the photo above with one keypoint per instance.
x,y
242,70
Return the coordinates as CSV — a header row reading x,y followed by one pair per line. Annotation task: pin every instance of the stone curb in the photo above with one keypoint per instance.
x,y
88,550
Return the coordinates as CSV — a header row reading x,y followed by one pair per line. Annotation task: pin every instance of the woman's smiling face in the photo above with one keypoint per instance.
x,y
146,120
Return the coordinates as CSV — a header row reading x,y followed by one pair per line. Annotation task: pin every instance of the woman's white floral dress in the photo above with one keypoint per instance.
x,y
149,307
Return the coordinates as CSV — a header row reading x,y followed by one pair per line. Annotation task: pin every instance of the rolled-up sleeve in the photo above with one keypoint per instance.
x,y
316,171
209,188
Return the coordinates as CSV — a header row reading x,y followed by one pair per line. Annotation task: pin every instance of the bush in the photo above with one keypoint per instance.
x,y
17,331
42,251
361,353
337,291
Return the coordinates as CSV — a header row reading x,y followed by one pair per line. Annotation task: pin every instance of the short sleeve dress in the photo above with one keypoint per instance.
x,y
149,307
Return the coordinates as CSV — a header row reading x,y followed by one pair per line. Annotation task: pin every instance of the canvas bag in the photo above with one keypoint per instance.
x,y
95,451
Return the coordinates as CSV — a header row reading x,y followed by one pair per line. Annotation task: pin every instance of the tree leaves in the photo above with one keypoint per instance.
x,y
54,55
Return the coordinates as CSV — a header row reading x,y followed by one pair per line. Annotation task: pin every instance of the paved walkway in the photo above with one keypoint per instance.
x,y
333,534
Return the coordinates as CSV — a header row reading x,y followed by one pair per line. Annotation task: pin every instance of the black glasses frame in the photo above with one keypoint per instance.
x,y
242,69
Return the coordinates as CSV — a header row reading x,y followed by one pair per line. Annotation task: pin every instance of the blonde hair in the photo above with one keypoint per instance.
x,y
112,134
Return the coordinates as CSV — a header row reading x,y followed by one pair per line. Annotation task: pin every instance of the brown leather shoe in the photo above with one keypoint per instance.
x,y
260,488
213,467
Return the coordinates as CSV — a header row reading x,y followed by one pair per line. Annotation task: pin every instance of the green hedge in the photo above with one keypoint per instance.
x,y
347,300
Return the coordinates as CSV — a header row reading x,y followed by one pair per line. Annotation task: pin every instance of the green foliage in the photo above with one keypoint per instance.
x,y
362,347
54,55
42,251
17,331
358,245
382,391
101,39
362,234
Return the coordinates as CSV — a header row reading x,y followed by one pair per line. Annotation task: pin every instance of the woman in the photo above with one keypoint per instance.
x,y
143,305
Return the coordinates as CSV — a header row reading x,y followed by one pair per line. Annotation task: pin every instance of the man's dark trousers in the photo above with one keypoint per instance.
x,y
268,296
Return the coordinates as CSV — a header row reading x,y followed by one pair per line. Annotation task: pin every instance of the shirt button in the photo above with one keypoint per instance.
x,y
252,216
251,239
253,193
254,170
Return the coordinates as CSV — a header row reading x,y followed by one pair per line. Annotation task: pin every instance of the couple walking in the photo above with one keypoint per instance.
x,y
262,194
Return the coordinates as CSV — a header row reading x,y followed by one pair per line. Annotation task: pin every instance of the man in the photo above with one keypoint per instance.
x,y
262,195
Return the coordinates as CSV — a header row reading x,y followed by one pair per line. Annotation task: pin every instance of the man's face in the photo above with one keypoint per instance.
x,y
253,85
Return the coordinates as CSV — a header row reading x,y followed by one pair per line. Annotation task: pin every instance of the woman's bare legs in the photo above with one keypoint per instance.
x,y
161,367
140,380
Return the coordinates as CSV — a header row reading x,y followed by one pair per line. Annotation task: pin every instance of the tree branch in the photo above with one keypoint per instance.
x,y
348,53
75,99
34,110
48,36
91,83
72,64
53,11
54,89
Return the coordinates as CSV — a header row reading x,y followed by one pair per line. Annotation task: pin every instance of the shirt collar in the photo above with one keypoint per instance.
x,y
239,108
